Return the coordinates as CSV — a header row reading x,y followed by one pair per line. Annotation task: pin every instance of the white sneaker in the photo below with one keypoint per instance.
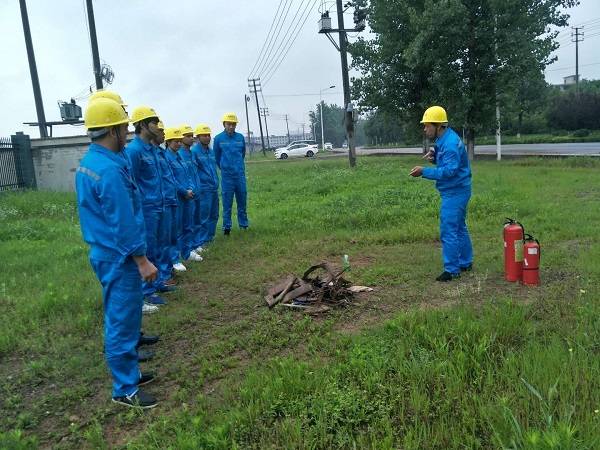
x,y
179,267
194,256
149,309
199,250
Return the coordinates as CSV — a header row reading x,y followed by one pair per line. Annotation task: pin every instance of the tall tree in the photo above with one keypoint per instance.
x,y
333,119
462,54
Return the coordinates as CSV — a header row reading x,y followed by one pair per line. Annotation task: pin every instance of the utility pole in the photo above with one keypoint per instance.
x,y
321,113
94,41
360,15
288,128
246,100
37,92
349,117
265,113
254,90
498,128
303,135
578,34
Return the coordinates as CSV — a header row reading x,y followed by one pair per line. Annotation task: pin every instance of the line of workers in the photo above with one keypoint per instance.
x,y
146,207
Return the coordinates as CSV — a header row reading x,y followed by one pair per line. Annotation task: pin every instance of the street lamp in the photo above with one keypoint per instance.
x,y
321,108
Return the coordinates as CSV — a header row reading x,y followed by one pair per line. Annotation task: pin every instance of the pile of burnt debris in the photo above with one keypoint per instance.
x,y
321,288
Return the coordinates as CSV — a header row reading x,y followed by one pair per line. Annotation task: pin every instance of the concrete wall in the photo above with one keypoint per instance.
x,y
55,161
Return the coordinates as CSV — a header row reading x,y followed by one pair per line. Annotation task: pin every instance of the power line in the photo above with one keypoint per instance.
x,y
274,70
303,95
266,39
571,67
596,19
293,23
274,38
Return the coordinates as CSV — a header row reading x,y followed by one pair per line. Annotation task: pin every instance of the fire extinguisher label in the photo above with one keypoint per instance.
x,y
518,251
532,251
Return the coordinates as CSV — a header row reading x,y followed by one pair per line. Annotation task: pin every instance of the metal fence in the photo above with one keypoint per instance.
x,y
16,163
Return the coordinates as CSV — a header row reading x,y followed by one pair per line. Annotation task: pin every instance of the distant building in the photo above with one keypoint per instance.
x,y
567,81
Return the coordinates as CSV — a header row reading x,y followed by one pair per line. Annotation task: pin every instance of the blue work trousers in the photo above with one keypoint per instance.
x,y
209,215
173,253
123,299
197,233
165,244
156,230
230,186
185,234
457,250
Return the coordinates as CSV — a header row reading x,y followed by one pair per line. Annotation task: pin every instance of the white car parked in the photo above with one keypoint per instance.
x,y
296,150
328,146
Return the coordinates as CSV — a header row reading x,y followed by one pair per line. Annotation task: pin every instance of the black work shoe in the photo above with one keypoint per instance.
x,y
147,377
447,276
227,232
145,355
140,399
467,268
147,340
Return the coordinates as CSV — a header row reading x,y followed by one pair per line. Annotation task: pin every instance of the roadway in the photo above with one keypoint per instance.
x,y
573,149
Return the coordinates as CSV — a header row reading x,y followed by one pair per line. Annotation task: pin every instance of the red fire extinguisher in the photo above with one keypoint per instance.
x,y
514,234
531,261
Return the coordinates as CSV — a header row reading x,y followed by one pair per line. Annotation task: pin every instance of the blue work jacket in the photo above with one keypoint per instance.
x,y
181,171
146,171
168,178
109,203
204,158
452,173
230,152
188,160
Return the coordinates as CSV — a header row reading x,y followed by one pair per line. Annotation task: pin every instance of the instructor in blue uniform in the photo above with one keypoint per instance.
x,y
230,154
112,223
452,176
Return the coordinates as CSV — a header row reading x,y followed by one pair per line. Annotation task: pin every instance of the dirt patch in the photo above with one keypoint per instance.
x,y
473,288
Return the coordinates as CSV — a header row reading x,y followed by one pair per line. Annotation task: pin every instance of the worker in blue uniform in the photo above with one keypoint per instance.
x,y
452,175
185,151
112,223
206,164
146,172
230,154
168,239
185,194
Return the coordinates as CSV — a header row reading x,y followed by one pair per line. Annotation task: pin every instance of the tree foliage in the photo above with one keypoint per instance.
x,y
574,111
463,54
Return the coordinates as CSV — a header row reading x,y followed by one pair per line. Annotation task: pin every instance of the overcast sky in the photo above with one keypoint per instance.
x,y
190,60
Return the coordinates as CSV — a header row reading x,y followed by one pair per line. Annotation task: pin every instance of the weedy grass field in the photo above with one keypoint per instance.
x,y
477,363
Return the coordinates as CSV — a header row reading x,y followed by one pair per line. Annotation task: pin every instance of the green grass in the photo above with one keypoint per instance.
x,y
415,365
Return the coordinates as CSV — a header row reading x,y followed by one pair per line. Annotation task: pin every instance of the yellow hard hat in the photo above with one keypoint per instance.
x,y
202,129
107,94
173,133
435,114
230,117
186,129
141,113
104,112
161,126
